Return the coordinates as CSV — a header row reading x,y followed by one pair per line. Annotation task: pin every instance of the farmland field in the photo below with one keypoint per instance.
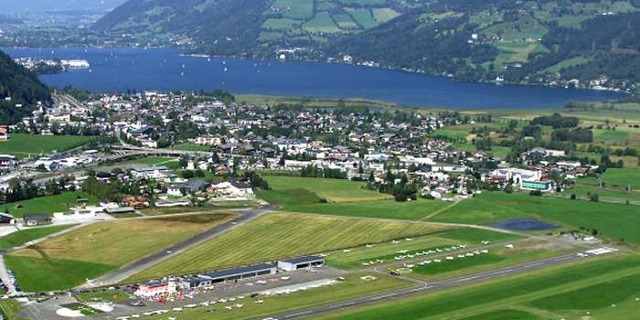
x,y
363,17
529,293
102,247
281,235
322,22
49,204
616,221
23,236
23,145
334,190
350,288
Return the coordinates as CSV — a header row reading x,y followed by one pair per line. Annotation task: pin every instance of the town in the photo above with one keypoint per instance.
x,y
203,169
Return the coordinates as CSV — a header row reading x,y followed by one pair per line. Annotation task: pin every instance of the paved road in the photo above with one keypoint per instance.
x,y
4,276
428,287
145,263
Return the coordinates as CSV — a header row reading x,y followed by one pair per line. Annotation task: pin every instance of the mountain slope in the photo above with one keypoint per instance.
x,y
249,26
18,86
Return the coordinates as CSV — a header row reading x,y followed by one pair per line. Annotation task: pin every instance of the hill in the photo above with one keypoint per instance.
x,y
38,6
581,43
20,90
533,42
254,27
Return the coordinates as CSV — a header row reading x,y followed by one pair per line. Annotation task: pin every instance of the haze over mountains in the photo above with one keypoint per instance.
x,y
39,6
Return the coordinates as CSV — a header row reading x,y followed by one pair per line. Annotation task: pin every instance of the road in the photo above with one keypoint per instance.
x,y
4,276
147,262
428,287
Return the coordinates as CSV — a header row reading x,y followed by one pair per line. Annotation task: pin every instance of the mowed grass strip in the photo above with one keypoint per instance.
x,y
497,294
50,204
386,251
25,235
119,242
281,235
388,209
333,190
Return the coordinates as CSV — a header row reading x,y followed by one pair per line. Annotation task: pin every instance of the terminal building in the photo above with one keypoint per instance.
x,y
300,263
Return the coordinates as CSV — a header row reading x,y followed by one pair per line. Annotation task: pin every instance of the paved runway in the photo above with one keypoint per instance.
x,y
433,286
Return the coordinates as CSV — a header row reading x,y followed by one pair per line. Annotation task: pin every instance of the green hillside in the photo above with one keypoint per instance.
x,y
541,41
20,90
250,26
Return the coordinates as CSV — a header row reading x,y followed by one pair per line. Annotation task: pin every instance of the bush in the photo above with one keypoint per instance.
x,y
594,197
536,193
573,196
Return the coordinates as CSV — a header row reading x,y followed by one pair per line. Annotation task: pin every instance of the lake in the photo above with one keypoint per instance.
x,y
118,70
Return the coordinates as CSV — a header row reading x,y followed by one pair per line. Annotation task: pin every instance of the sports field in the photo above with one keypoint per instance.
x,y
95,249
333,190
281,235
563,292
49,204
24,145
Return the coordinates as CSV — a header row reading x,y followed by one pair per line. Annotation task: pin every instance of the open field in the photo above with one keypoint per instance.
x,y
388,209
281,235
522,293
333,190
358,257
156,161
113,296
497,257
105,246
23,236
350,288
10,308
189,146
616,221
49,204
24,145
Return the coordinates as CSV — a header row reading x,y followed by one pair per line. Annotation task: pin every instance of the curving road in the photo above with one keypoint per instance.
x,y
147,262
428,287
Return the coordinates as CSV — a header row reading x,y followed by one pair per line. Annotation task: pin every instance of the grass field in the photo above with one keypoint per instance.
x,y
281,235
388,209
113,296
23,236
499,299
97,248
333,190
350,288
189,146
354,258
49,204
616,221
24,145
322,22
10,308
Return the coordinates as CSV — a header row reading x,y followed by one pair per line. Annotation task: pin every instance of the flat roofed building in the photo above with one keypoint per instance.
x,y
232,274
300,263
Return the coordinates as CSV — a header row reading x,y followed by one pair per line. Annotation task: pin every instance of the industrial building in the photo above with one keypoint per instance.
x,y
300,263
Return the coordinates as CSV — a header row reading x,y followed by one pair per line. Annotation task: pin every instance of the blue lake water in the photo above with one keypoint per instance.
x,y
166,69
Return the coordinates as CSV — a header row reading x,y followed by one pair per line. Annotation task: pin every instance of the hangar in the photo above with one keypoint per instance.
x,y
231,274
300,263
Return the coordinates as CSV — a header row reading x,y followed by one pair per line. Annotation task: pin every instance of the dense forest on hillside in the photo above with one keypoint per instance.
x,y
18,86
